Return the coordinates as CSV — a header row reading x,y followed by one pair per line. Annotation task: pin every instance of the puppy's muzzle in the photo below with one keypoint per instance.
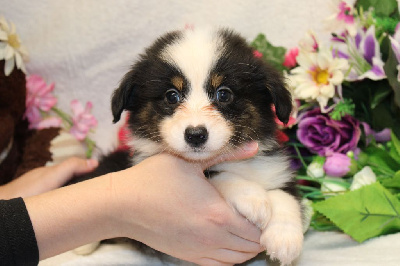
x,y
196,136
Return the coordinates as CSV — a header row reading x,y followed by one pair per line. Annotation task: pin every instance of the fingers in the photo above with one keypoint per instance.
x,y
66,170
244,229
244,152
75,165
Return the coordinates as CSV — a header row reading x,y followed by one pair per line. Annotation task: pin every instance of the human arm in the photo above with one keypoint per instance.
x,y
164,202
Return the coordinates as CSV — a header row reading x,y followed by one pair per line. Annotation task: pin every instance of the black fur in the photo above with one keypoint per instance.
x,y
255,85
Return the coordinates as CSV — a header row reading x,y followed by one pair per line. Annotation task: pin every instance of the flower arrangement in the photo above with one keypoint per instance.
x,y
345,137
41,111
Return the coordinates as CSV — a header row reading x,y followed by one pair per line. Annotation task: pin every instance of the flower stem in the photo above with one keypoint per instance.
x,y
63,115
90,147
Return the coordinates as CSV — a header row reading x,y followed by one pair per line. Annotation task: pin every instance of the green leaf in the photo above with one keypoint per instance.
x,y
379,95
395,147
363,213
275,55
393,182
381,7
381,158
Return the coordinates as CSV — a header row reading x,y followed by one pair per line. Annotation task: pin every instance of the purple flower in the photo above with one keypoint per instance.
x,y
325,136
363,53
380,136
337,165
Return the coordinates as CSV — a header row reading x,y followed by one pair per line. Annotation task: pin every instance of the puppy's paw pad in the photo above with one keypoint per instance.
x,y
87,249
255,208
283,242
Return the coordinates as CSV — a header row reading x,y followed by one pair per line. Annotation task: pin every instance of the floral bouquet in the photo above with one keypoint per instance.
x,y
41,110
344,134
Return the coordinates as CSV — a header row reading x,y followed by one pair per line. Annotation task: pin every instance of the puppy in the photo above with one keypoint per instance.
x,y
200,93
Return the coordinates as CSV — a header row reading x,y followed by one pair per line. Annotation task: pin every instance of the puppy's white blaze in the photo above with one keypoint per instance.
x,y
195,54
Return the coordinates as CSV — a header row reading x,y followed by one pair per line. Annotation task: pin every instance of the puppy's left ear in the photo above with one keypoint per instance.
x,y
122,98
282,100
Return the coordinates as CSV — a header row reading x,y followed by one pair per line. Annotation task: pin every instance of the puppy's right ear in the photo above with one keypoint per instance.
x,y
123,96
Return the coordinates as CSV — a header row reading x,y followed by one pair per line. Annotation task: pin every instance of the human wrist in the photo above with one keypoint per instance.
x,y
71,216
7,191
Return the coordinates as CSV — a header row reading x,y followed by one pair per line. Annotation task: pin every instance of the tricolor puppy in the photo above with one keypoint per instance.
x,y
198,94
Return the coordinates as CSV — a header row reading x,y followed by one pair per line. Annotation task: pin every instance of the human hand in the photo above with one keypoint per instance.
x,y
166,203
44,179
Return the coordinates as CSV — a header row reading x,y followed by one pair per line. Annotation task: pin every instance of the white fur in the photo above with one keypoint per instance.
x,y
146,148
195,55
253,186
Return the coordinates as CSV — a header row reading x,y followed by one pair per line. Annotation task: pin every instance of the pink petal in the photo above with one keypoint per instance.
x,y
49,122
76,107
77,134
33,114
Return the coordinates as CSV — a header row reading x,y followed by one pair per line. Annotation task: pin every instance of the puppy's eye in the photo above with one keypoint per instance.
x,y
172,96
224,94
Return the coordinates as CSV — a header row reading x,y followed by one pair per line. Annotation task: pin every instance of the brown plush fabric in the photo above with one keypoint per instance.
x,y
30,148
37,150
12,102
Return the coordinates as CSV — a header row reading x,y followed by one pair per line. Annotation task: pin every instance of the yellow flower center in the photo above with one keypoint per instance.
x,y
320,76
13,41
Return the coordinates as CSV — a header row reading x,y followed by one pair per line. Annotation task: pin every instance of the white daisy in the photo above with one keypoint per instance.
x,y
317,75
11,49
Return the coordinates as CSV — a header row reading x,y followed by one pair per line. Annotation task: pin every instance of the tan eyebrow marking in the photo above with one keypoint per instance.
x,y
177,82
216,80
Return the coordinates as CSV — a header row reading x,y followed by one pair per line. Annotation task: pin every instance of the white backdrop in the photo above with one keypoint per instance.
x,y
85,46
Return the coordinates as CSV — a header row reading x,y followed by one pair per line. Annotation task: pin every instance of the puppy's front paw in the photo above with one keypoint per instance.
x,y
254,206
283,241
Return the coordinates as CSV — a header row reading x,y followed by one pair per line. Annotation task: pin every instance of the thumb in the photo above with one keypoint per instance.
x,y
246,151
74,166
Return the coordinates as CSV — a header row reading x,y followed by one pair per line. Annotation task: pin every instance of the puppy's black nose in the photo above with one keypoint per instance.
x,y
196,136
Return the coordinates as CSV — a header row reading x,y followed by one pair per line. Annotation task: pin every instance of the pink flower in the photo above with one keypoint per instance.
x,y
39,94
337,165
46,123
342,17
290,57
290,123
257,54
345,13
39,98
82,119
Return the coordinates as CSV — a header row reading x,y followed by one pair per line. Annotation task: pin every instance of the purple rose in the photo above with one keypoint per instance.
x,y
325,136
337,165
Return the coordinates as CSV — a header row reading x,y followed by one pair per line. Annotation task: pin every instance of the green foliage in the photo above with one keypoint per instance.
x,y
379,158
393,182
275,55
382,7
343,108
363,213
394,147
391,73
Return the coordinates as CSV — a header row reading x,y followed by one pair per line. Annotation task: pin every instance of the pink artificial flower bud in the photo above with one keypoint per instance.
x,y
290,57
257,54
337,165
